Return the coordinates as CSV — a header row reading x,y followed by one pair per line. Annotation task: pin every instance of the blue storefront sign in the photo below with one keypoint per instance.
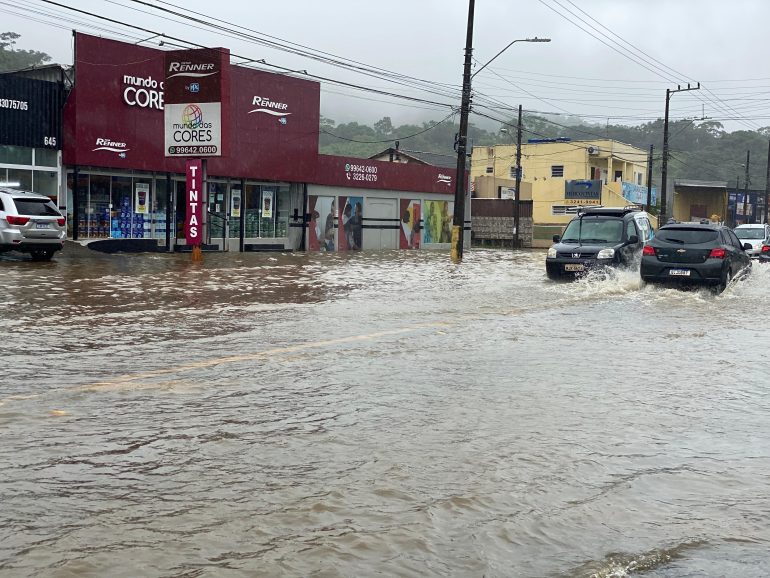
x,y
583,189
637,194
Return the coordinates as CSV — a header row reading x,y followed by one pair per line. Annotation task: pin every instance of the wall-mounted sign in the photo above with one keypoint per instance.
x,y
193,95
508,193
638,193
583,189
193,229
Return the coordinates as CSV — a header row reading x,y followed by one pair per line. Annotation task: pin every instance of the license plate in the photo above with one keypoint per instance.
x,y
680,272
574,267
42,226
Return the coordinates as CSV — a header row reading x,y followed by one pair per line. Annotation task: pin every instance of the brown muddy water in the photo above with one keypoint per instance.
x,y
380,414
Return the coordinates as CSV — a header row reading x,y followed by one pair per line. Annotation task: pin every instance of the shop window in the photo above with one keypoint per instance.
x,y
123,224
46,158
560,210
557,171
217,209
13,155
160,206
251,202
20,179
46,183
94,210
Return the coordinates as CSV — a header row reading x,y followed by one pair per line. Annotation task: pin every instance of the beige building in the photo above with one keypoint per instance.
x,y
560,176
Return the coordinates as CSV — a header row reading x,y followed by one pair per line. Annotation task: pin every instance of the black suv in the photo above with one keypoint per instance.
x,y
695,254
598,237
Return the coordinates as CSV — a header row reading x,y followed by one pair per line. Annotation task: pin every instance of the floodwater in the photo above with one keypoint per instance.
x,y
378,415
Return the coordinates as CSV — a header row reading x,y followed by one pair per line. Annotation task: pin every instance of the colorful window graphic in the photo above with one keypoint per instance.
x,y
438,222
409,237
323,212
351,223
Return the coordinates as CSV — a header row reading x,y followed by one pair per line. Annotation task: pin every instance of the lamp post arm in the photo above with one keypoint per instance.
x,y
495,56
535,39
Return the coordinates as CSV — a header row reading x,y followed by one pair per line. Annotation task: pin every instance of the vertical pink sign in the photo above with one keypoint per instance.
x,y
193,226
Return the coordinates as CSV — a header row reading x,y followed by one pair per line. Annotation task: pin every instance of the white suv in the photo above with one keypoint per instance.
x,y
755,234
30,223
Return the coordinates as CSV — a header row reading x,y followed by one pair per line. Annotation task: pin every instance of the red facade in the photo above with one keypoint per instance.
x,y
114,119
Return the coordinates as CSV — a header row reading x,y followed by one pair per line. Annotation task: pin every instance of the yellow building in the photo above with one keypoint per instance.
x,y
564,175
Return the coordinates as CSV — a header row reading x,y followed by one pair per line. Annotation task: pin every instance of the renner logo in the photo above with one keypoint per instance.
x,y
446,179
105,144
268,106
190,69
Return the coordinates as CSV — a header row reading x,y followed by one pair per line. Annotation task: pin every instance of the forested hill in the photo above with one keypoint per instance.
x,y
698,149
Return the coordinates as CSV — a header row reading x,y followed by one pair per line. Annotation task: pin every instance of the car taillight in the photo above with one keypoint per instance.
x,y
16,220
766,248
648,251
717,253
61,221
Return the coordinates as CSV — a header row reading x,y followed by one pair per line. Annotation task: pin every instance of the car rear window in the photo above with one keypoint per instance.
x,y
687,236
750,232
36,208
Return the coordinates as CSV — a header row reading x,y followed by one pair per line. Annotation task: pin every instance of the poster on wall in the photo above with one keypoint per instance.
x,y
323,212
235,203
267,204
142,196
410,224
438,222
351,223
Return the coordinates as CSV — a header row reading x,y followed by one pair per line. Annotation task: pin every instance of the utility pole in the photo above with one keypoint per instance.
x,y
767,180
664,164
649,182
746,190
458,221
517,198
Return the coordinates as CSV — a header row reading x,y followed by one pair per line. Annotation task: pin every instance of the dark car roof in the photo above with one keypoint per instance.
x,y
706,226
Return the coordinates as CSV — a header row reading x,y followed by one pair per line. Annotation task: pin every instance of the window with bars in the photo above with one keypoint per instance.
x,y
557,170
557,210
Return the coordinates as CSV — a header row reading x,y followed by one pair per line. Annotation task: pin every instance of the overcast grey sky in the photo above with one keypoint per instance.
x,y
722,44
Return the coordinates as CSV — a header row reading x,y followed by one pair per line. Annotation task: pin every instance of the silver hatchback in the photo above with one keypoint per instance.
x,y
30,223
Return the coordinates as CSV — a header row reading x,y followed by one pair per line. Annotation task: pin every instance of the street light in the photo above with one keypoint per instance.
x,y
535,39
458,221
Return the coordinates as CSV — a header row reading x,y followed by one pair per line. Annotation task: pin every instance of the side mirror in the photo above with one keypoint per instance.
x,y
556,238
633,240
747,247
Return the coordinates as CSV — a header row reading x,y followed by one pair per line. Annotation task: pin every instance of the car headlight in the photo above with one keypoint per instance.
x,y
606,254
552,253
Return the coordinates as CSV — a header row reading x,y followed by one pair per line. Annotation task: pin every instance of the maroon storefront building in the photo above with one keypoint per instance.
x,y
272,190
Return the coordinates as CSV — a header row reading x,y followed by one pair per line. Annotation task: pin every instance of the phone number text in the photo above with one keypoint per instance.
x,y
14,104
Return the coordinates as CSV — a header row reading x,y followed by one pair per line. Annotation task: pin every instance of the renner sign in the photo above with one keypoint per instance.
x,y
193,94
192,224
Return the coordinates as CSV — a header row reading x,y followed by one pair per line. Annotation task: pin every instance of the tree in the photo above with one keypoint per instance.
x,y
12,59
384,126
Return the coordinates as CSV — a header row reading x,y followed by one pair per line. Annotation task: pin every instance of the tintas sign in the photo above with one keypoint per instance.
x,y
194,90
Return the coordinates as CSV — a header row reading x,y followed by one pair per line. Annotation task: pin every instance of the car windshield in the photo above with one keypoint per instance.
x,y
684,236
750,233
36,208
593,230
